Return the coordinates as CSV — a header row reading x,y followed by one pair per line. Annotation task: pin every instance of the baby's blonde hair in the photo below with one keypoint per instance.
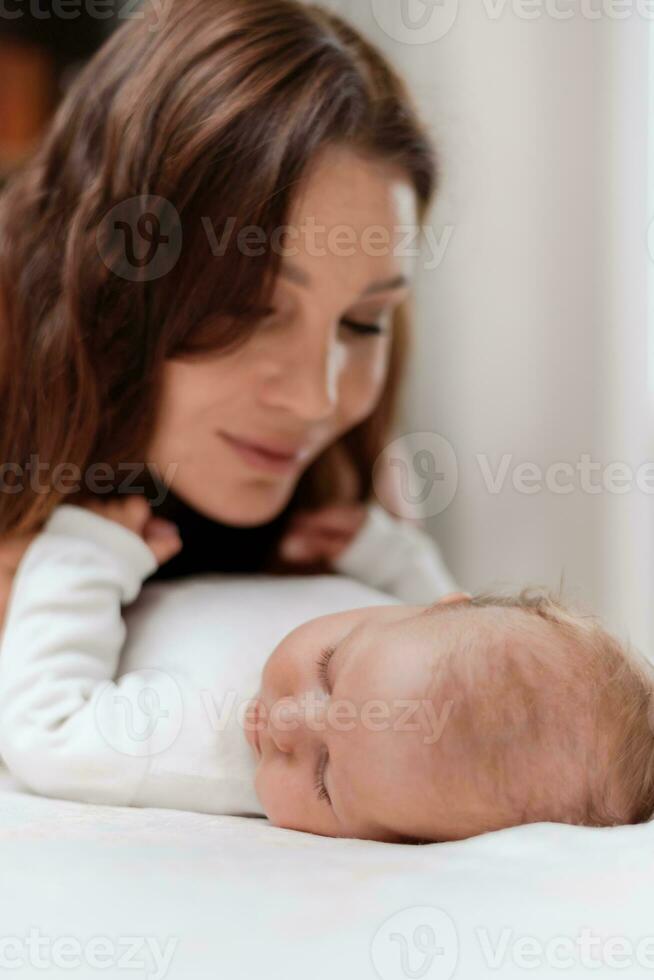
x,y
567,730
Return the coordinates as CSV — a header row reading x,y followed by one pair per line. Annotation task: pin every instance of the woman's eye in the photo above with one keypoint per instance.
x,y
357,327
363,329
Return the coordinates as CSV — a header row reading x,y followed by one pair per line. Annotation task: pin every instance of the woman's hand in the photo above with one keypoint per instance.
x,y
133,512
12,549
321,535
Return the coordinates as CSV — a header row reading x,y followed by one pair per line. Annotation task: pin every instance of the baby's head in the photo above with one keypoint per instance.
x,y
415,724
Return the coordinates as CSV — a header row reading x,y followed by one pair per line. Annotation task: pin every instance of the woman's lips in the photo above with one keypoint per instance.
x,y
265,457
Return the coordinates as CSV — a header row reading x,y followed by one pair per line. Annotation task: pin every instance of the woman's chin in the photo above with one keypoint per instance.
x,y
249,505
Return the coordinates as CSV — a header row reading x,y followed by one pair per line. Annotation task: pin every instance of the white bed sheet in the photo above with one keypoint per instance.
x,y
242,899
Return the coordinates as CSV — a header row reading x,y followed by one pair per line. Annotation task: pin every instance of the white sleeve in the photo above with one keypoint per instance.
x,y
62,717
397,558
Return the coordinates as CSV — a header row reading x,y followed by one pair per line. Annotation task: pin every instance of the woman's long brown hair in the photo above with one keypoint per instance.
x,y
218,108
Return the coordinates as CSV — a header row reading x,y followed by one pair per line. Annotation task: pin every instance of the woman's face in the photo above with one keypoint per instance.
x,y
236,431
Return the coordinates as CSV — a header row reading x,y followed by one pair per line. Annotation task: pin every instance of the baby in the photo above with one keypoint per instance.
x,y
388,722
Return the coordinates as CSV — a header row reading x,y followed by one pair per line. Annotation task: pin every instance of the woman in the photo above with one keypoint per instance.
x,y
181,307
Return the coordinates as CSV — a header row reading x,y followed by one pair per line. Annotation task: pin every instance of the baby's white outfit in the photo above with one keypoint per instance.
x,y
146,708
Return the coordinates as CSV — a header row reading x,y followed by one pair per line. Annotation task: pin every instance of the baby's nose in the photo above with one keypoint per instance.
x,y
295,721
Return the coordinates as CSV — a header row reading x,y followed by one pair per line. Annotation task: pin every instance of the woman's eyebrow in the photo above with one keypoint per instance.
x,y
382,285
293,272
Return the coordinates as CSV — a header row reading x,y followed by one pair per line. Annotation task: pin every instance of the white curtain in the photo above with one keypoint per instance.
x,y
533,329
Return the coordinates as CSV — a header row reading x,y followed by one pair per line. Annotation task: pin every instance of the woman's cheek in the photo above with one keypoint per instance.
x,y
362,383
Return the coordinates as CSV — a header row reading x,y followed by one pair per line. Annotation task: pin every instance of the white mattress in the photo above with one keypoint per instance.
x,y
233,898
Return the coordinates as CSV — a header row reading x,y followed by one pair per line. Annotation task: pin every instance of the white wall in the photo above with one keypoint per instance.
x,y
628,530
532,332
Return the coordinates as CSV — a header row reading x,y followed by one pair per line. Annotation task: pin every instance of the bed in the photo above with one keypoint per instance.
x,y
113,892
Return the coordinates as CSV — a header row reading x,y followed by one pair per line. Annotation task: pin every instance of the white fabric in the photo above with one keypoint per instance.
x,y
244,900
160,725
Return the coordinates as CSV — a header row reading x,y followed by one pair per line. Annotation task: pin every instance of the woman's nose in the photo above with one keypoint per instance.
x,y
303,379
295,722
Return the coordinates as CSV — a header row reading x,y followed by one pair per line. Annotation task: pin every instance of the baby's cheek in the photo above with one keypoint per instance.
x,y
288,801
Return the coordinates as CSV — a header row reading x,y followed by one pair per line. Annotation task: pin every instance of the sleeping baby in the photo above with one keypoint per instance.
x,y
316,701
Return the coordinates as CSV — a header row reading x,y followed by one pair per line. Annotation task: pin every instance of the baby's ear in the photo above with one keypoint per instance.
x,y
451,599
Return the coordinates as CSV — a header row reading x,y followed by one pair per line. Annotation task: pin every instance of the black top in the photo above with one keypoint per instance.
x,y
209,546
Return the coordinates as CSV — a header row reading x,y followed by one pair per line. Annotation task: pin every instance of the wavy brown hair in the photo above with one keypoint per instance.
x,y
219,108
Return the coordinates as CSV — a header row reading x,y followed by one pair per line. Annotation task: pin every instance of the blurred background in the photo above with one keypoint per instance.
x,y
532,347
535,311
43,43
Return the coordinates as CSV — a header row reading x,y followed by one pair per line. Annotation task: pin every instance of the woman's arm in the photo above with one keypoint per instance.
x,y
63,720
